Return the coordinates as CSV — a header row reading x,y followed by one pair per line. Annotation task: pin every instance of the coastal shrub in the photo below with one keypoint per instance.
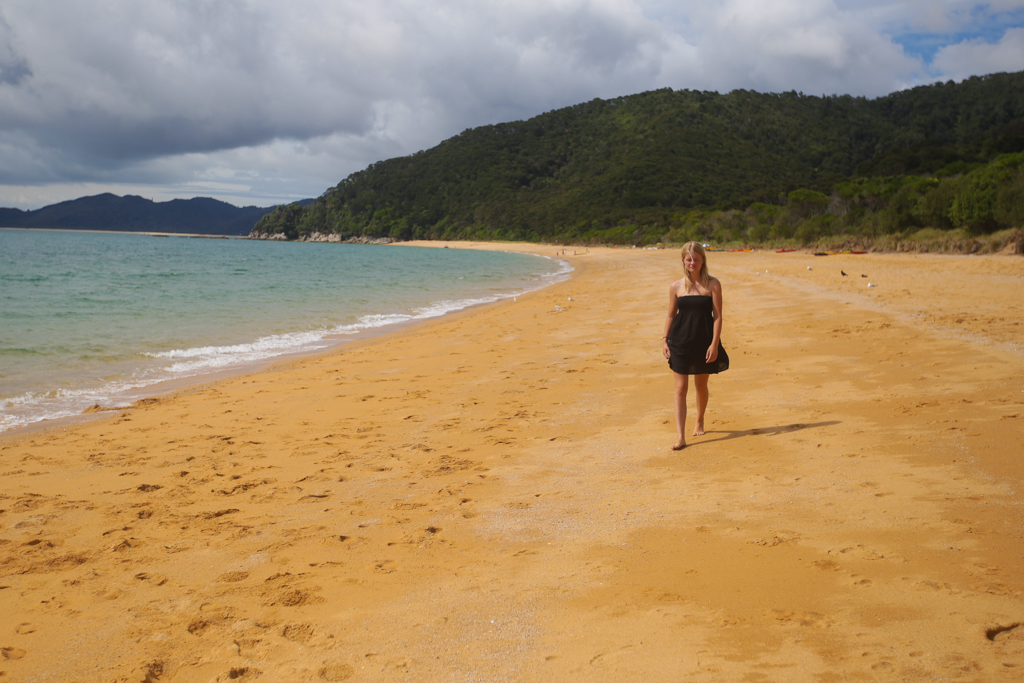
x,y
957,169
838,205
1009,203
762,214
682,234
869,193
814,228
806,233
759,232
902,211
973,205
781,231
806,203
725,226
934,207
989,197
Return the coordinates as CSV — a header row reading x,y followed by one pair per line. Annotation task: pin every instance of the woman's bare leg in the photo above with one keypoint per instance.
x,y
682,384
700,383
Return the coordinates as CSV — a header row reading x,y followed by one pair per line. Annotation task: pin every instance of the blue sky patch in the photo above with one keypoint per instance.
x,y
984,26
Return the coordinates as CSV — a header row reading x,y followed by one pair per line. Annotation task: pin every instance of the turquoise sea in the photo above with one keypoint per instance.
x,y
90,318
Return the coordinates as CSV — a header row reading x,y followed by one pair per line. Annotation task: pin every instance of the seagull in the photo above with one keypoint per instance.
x,y
809,268
570,298
871,284
558,308
843,272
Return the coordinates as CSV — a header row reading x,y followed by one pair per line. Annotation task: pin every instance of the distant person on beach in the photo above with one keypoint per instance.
x,y
693,335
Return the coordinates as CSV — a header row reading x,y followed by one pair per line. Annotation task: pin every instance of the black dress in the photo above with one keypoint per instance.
x,y
690,335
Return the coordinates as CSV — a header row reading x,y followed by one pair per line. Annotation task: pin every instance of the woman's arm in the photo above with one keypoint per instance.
x,y
668,319
716,304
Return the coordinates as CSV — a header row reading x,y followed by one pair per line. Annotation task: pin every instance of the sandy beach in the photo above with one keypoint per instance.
x,y
490,496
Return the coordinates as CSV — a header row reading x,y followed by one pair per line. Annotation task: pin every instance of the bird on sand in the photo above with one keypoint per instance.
x,y
843,272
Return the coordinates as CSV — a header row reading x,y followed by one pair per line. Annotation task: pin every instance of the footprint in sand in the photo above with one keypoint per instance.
x,y
152,672
827,565
336,671
239,673
198,627
407,506
281,591
299,633
802,618
12,652
154,579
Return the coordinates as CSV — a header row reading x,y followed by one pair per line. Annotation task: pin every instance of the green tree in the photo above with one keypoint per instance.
x,y
1009,204
806,203
974,204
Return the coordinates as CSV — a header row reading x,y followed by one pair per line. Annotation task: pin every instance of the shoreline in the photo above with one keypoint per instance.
x,y
491,496
335,343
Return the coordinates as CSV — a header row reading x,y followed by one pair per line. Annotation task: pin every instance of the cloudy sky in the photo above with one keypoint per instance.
x,y
264,101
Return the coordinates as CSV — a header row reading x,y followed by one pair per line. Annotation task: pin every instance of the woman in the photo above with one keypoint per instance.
x,y
693,335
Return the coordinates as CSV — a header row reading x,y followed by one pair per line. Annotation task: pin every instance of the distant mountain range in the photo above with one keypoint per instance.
x,y
200,215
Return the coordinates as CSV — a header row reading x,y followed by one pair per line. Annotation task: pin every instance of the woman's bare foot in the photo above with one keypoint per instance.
x,y
698,429
679,445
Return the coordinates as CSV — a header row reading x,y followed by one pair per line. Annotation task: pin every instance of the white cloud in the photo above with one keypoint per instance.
x,y
977,56
282,100
807,45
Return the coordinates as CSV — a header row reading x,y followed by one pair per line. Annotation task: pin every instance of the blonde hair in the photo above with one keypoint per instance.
x,y
705,276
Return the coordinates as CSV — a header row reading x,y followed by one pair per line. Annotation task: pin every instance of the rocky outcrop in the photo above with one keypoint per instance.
x,y
371,240
334,237
279,236
321,237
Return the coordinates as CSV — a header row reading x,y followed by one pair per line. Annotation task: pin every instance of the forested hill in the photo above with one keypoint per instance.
x,y
200,215
633,168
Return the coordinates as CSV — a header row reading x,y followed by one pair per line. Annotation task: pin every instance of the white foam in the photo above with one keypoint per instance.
x,y
263,345
206,358
31,407
368,322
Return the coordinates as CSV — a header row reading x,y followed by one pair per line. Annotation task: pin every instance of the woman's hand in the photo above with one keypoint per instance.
x,y
712,354
665,350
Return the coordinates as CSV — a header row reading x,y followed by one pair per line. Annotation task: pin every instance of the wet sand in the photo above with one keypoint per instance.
x,y
490,496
